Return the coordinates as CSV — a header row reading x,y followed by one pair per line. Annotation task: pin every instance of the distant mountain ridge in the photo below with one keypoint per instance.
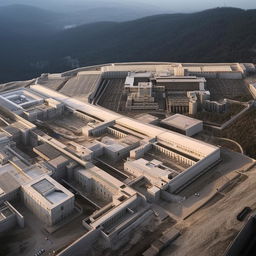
x,y
82,12
216,35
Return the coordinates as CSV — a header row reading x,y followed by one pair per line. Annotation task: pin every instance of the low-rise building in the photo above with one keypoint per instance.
x,y
48,200
215,106
147,119
9,187
252,88
9,217
154,171
183,124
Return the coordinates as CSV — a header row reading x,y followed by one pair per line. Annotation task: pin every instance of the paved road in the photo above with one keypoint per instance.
x,y
233,141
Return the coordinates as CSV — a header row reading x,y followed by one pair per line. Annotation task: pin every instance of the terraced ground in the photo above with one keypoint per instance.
x,y
80,86
228,88
111,98
243,131
53,84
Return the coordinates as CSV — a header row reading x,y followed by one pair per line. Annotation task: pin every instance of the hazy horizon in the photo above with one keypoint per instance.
x,y
165,5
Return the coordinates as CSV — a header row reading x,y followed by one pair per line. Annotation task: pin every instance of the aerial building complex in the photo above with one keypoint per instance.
x,y
66,154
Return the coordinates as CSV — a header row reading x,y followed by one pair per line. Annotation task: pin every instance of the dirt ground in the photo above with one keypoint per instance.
x,y
142,239
209,231
27,241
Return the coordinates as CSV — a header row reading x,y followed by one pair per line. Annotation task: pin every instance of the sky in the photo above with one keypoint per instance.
x,y
168,5
193,5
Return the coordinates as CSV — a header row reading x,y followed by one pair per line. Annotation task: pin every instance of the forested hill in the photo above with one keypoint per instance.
x,y
216,35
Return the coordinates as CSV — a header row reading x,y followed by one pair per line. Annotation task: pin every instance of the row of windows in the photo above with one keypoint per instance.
x,y
175,156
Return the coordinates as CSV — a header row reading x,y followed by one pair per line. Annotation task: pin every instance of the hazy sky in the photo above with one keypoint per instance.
x,y
168,5
180,5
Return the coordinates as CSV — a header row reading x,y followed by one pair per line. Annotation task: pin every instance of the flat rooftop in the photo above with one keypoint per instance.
x,y
21,98
132,124
74,123
181,122
47,150
147,118
51,192
7,183
102,176
43,186
208,67
254,85
181,80
152,168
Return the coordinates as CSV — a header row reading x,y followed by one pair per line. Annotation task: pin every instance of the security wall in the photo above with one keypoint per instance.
x,y
190,174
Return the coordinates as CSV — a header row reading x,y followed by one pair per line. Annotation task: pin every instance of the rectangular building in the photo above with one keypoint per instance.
x,y
183,124
252,88
48,200
8,187
154,171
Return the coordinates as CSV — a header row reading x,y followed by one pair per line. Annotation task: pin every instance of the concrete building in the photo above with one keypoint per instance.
x,y
9,187
186,102
134,78
215,70
248,67
21,99
50,109
147,119
58,166
141,98
183,124
207,70
178,102
117,222
98,183
117,149
252,88
87,132
116,165
48,200
172,144
155,171
9,217
30,105
181,83
215,106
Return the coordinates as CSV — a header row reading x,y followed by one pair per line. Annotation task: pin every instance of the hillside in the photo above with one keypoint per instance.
x,y
83,12
26,20
223,34
216,35
74,5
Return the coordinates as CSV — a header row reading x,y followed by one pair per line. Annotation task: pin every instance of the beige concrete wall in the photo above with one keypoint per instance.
x,y
7,223
81,246
140,151
253,91
46,215
190,174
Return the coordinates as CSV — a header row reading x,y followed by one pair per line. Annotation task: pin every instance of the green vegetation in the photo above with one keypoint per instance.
x,y
219,118
244,132
242,98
